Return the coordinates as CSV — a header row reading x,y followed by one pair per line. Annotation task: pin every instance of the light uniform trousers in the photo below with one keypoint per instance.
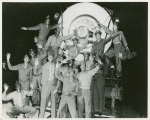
x,y
47,93
99,92
65,112
36,81
16,110
84,103
70,101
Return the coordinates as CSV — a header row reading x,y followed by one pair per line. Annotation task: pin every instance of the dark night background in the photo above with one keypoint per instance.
x,y
134,24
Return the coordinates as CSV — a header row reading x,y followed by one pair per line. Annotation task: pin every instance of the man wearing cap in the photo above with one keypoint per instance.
x,y
99,81
44,29
55,40
119,48
99,44
63,68
25,73
47,82
69,91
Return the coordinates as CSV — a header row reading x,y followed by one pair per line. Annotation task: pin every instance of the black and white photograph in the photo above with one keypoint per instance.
x,y
74,59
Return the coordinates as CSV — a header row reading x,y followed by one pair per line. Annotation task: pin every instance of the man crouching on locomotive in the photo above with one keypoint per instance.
x,y
18,98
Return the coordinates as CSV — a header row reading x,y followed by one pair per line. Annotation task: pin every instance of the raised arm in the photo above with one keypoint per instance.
x,y
67,37
9,96
70,36
16,67
106,29
44,54
34,27
58,75
37,27
83,46
112,36
55,26
95,70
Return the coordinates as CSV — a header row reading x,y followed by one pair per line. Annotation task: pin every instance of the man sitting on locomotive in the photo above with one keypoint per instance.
x,y
44,29
119,49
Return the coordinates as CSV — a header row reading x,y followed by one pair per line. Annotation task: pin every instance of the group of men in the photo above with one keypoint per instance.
x,y
53,79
